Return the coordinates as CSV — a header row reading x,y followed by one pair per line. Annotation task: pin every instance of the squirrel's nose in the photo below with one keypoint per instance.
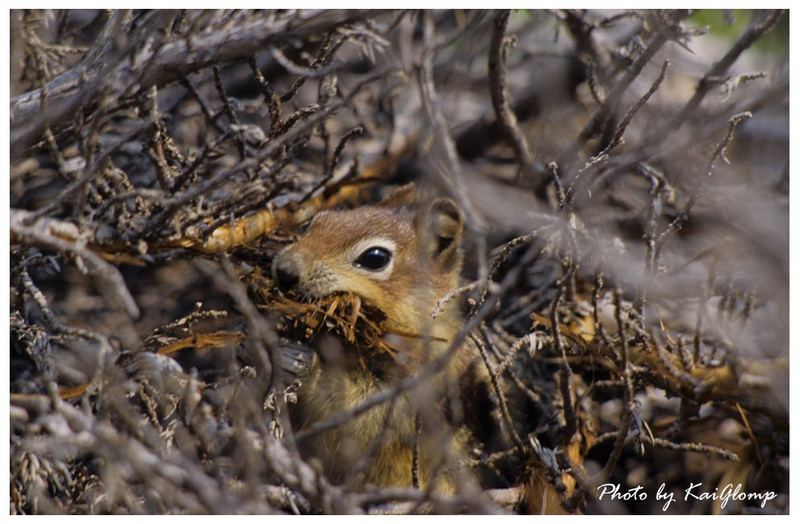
x,y
286,274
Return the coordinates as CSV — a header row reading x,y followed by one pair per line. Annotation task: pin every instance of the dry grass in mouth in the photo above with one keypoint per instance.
x,y
344,314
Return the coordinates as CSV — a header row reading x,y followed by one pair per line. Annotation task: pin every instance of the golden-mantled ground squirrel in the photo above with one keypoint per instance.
x,y
401,260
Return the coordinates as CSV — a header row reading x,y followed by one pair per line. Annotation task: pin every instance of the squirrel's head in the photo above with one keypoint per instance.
x,y
397,258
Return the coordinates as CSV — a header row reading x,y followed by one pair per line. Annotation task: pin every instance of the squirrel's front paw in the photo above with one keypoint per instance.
x,y
295,358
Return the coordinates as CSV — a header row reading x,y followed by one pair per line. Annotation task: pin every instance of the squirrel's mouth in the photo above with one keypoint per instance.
x,y
344,314
313,298
341,313
312,309
342,306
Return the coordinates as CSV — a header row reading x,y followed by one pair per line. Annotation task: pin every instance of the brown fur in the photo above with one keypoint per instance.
x,y
426,266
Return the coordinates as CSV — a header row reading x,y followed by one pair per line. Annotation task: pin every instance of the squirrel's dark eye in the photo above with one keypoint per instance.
x,y
374,259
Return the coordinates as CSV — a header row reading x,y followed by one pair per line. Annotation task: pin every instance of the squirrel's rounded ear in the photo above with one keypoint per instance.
x,y
440,232
399,196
